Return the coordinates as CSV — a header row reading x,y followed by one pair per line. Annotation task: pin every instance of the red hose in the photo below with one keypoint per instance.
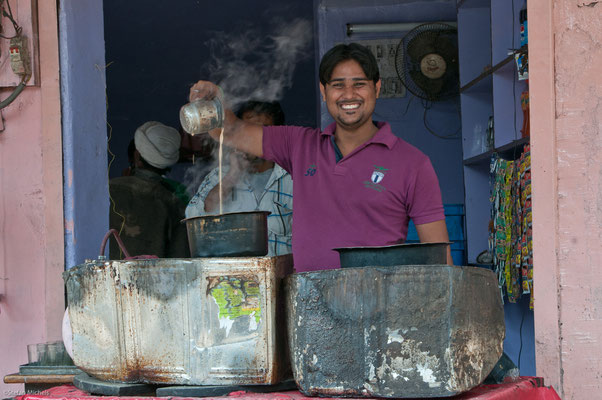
x,y
119,242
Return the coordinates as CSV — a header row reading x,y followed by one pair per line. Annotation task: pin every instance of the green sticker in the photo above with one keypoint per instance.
x,y
236,297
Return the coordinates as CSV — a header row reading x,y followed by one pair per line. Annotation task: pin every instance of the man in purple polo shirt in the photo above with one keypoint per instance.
x,y
355,183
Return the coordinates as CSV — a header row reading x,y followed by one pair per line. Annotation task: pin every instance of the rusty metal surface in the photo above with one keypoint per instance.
x,y
202,321
398,332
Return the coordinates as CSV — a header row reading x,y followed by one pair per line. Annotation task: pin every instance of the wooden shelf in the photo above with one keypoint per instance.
x,y
511,150
486,74
482,158
508,151
54,379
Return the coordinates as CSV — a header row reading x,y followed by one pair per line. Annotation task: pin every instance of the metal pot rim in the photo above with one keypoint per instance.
x,y
210,216
392,246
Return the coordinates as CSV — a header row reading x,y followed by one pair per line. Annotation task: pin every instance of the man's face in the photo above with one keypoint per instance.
x,y
257,118
350,96
261,119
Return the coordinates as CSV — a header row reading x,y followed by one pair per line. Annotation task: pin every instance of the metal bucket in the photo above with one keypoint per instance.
x,y
240,234
398,254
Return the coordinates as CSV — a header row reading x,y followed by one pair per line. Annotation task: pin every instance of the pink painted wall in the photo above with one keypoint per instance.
x,y
31,210
566,100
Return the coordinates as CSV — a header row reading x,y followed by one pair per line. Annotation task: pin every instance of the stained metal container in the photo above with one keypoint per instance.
x,y
203,321
238,234
397,332
398,254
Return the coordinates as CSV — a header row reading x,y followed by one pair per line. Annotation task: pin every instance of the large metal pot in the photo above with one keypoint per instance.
x,y
171,321
240,234
411,331
398,254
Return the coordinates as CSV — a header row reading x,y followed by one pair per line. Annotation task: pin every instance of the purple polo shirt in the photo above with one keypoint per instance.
x,y
366,199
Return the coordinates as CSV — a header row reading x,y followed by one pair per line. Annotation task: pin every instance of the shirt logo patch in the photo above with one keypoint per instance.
x,y
311,171
377,176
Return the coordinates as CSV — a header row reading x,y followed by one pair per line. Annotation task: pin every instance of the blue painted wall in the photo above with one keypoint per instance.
x,y
519,344
86,192
404,114
156,52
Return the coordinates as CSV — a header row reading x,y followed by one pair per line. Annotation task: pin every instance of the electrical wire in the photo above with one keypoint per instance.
x,y
456,135
18,30
11,18
408,105
520,335
112,158
4,103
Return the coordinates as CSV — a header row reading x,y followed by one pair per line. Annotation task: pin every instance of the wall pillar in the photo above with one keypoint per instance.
x,y
566,124
31,209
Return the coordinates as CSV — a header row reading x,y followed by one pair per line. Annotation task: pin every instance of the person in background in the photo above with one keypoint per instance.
x,y
251,183
174,186
356,183
144,211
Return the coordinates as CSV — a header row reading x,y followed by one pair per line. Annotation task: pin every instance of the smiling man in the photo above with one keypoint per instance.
x,y
356,183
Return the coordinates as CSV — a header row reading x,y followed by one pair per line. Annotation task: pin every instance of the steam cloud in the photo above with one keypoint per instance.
x,y
251,65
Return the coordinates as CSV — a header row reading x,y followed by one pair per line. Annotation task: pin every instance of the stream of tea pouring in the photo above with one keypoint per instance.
x,y
220,154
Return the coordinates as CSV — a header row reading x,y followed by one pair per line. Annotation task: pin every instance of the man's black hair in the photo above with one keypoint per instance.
x,y
160,171
270,108
131,150
344,52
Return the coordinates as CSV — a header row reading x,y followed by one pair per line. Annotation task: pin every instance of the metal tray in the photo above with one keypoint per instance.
x,y
36,369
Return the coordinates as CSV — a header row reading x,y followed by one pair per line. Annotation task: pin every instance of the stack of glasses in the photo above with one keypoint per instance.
x,y
50,353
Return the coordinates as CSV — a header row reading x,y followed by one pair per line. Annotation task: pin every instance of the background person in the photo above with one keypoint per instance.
x,y
145,211
250,183
356,183
174,186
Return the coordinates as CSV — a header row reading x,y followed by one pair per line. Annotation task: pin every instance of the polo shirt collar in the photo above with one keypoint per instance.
x,y
384,135
277,173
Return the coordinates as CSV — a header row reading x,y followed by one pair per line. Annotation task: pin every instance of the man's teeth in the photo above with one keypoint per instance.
x,y
350,106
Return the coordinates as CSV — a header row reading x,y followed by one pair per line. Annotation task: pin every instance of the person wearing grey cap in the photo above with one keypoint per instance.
x,y
144,211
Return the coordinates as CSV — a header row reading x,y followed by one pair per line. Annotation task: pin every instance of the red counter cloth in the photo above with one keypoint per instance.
x,y
523,388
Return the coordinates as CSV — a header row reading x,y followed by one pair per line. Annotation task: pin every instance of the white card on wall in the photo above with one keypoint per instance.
x,y
384,51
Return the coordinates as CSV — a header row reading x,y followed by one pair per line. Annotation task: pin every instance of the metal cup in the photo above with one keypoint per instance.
x,y
202,116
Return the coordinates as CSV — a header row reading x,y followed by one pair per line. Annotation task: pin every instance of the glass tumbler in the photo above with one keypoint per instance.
x,y
202,116
34,353
55,352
